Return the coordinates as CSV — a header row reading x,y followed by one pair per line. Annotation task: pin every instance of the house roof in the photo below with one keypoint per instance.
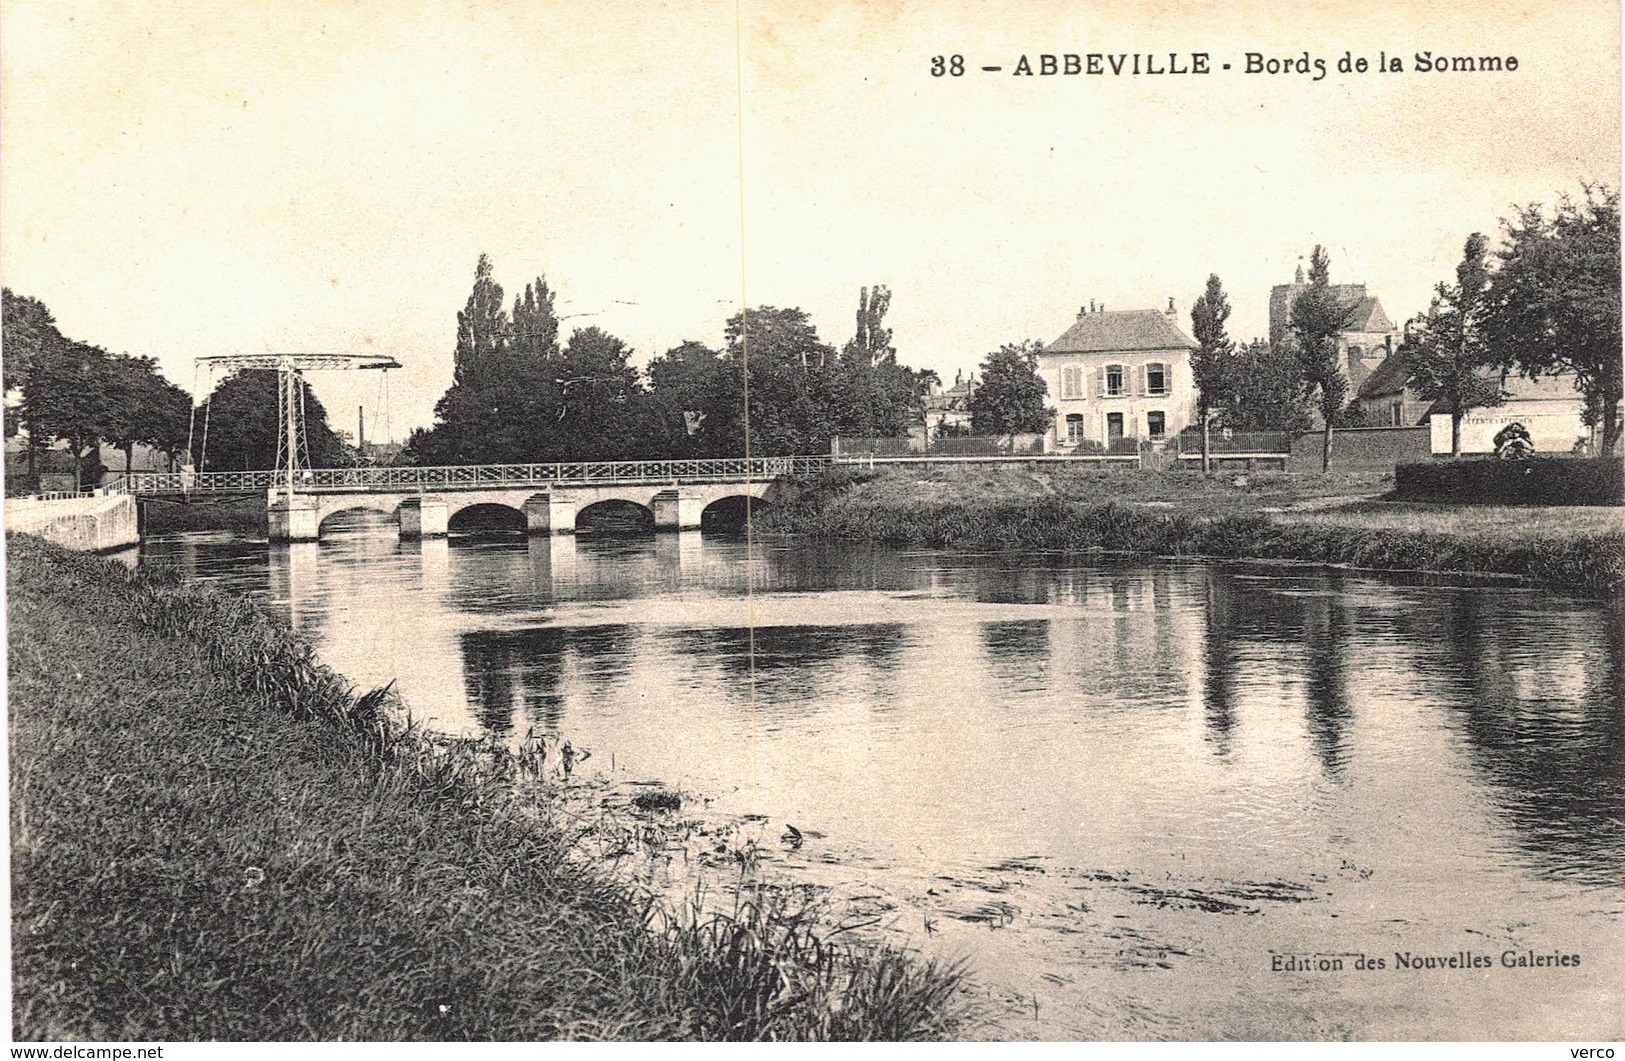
x,y
1369,317
1559,386
1390,377
1121,330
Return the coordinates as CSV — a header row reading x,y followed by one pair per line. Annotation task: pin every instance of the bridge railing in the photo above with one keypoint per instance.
x,y
407,477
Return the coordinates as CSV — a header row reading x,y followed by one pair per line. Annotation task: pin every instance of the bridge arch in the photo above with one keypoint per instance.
x,y
728,511
385,505
481,499
485,517
612,514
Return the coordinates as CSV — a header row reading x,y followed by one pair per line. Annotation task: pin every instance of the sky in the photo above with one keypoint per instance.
x,y
181,178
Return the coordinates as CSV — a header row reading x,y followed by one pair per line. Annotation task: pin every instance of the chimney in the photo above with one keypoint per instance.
x,y
1173,314
1091,305
1083,311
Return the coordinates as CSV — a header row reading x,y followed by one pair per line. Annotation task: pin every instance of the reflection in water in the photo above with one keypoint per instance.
x,y
1019,651
1219,663
786,669
505,670
1326,637
1543,721
1430,764
293,573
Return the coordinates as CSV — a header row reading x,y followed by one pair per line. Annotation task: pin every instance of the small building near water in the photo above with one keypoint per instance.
x,y
1549,408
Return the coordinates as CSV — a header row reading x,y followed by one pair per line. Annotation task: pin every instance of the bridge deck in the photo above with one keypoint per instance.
x,y
409,479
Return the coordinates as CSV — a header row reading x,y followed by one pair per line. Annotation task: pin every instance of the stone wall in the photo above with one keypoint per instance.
x,y
89,524
1362,448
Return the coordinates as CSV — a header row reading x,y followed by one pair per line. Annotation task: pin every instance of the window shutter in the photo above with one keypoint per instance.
x,y
1145,384
1100,380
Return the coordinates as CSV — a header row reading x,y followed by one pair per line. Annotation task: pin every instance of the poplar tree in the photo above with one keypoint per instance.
x,y
1318,318
482,326
1212,362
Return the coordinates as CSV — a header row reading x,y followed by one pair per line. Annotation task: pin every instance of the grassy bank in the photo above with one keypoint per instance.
x,y
1335,520
213,838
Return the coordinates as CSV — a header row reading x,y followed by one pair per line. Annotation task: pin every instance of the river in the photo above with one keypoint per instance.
x,y
1136,798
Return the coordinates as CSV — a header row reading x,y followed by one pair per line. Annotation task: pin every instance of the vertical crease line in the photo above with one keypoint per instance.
x,y
744,362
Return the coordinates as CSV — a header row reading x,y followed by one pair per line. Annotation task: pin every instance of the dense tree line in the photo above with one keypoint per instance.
x,y
86,398
81,395
518,395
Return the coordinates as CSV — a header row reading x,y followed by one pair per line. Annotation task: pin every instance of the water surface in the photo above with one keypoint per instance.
x,y
1134,796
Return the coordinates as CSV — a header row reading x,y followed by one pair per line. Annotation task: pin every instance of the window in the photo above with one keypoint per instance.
x,y
1113,381
1074,428
1114,426
1071,381
1156,425
1156,378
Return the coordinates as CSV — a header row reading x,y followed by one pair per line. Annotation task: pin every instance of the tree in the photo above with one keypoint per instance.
x,y
1267,389
482,326
788,383
681,382
535,325
1553,304
1212,362
28,327
241,426
874,396
1445,351
502,405
1010,398
1318,318
603,412
144,408
67,396
873,340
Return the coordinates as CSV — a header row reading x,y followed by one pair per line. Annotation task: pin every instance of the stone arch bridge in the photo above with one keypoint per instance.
x,y
549,496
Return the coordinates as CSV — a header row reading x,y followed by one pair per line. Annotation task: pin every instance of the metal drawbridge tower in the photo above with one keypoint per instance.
x,y
292,444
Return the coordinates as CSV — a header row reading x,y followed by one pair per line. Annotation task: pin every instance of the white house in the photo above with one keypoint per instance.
x,y
1119,375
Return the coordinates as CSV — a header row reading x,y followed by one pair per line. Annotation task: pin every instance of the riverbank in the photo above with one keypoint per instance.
x,y
214,838
1330,520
